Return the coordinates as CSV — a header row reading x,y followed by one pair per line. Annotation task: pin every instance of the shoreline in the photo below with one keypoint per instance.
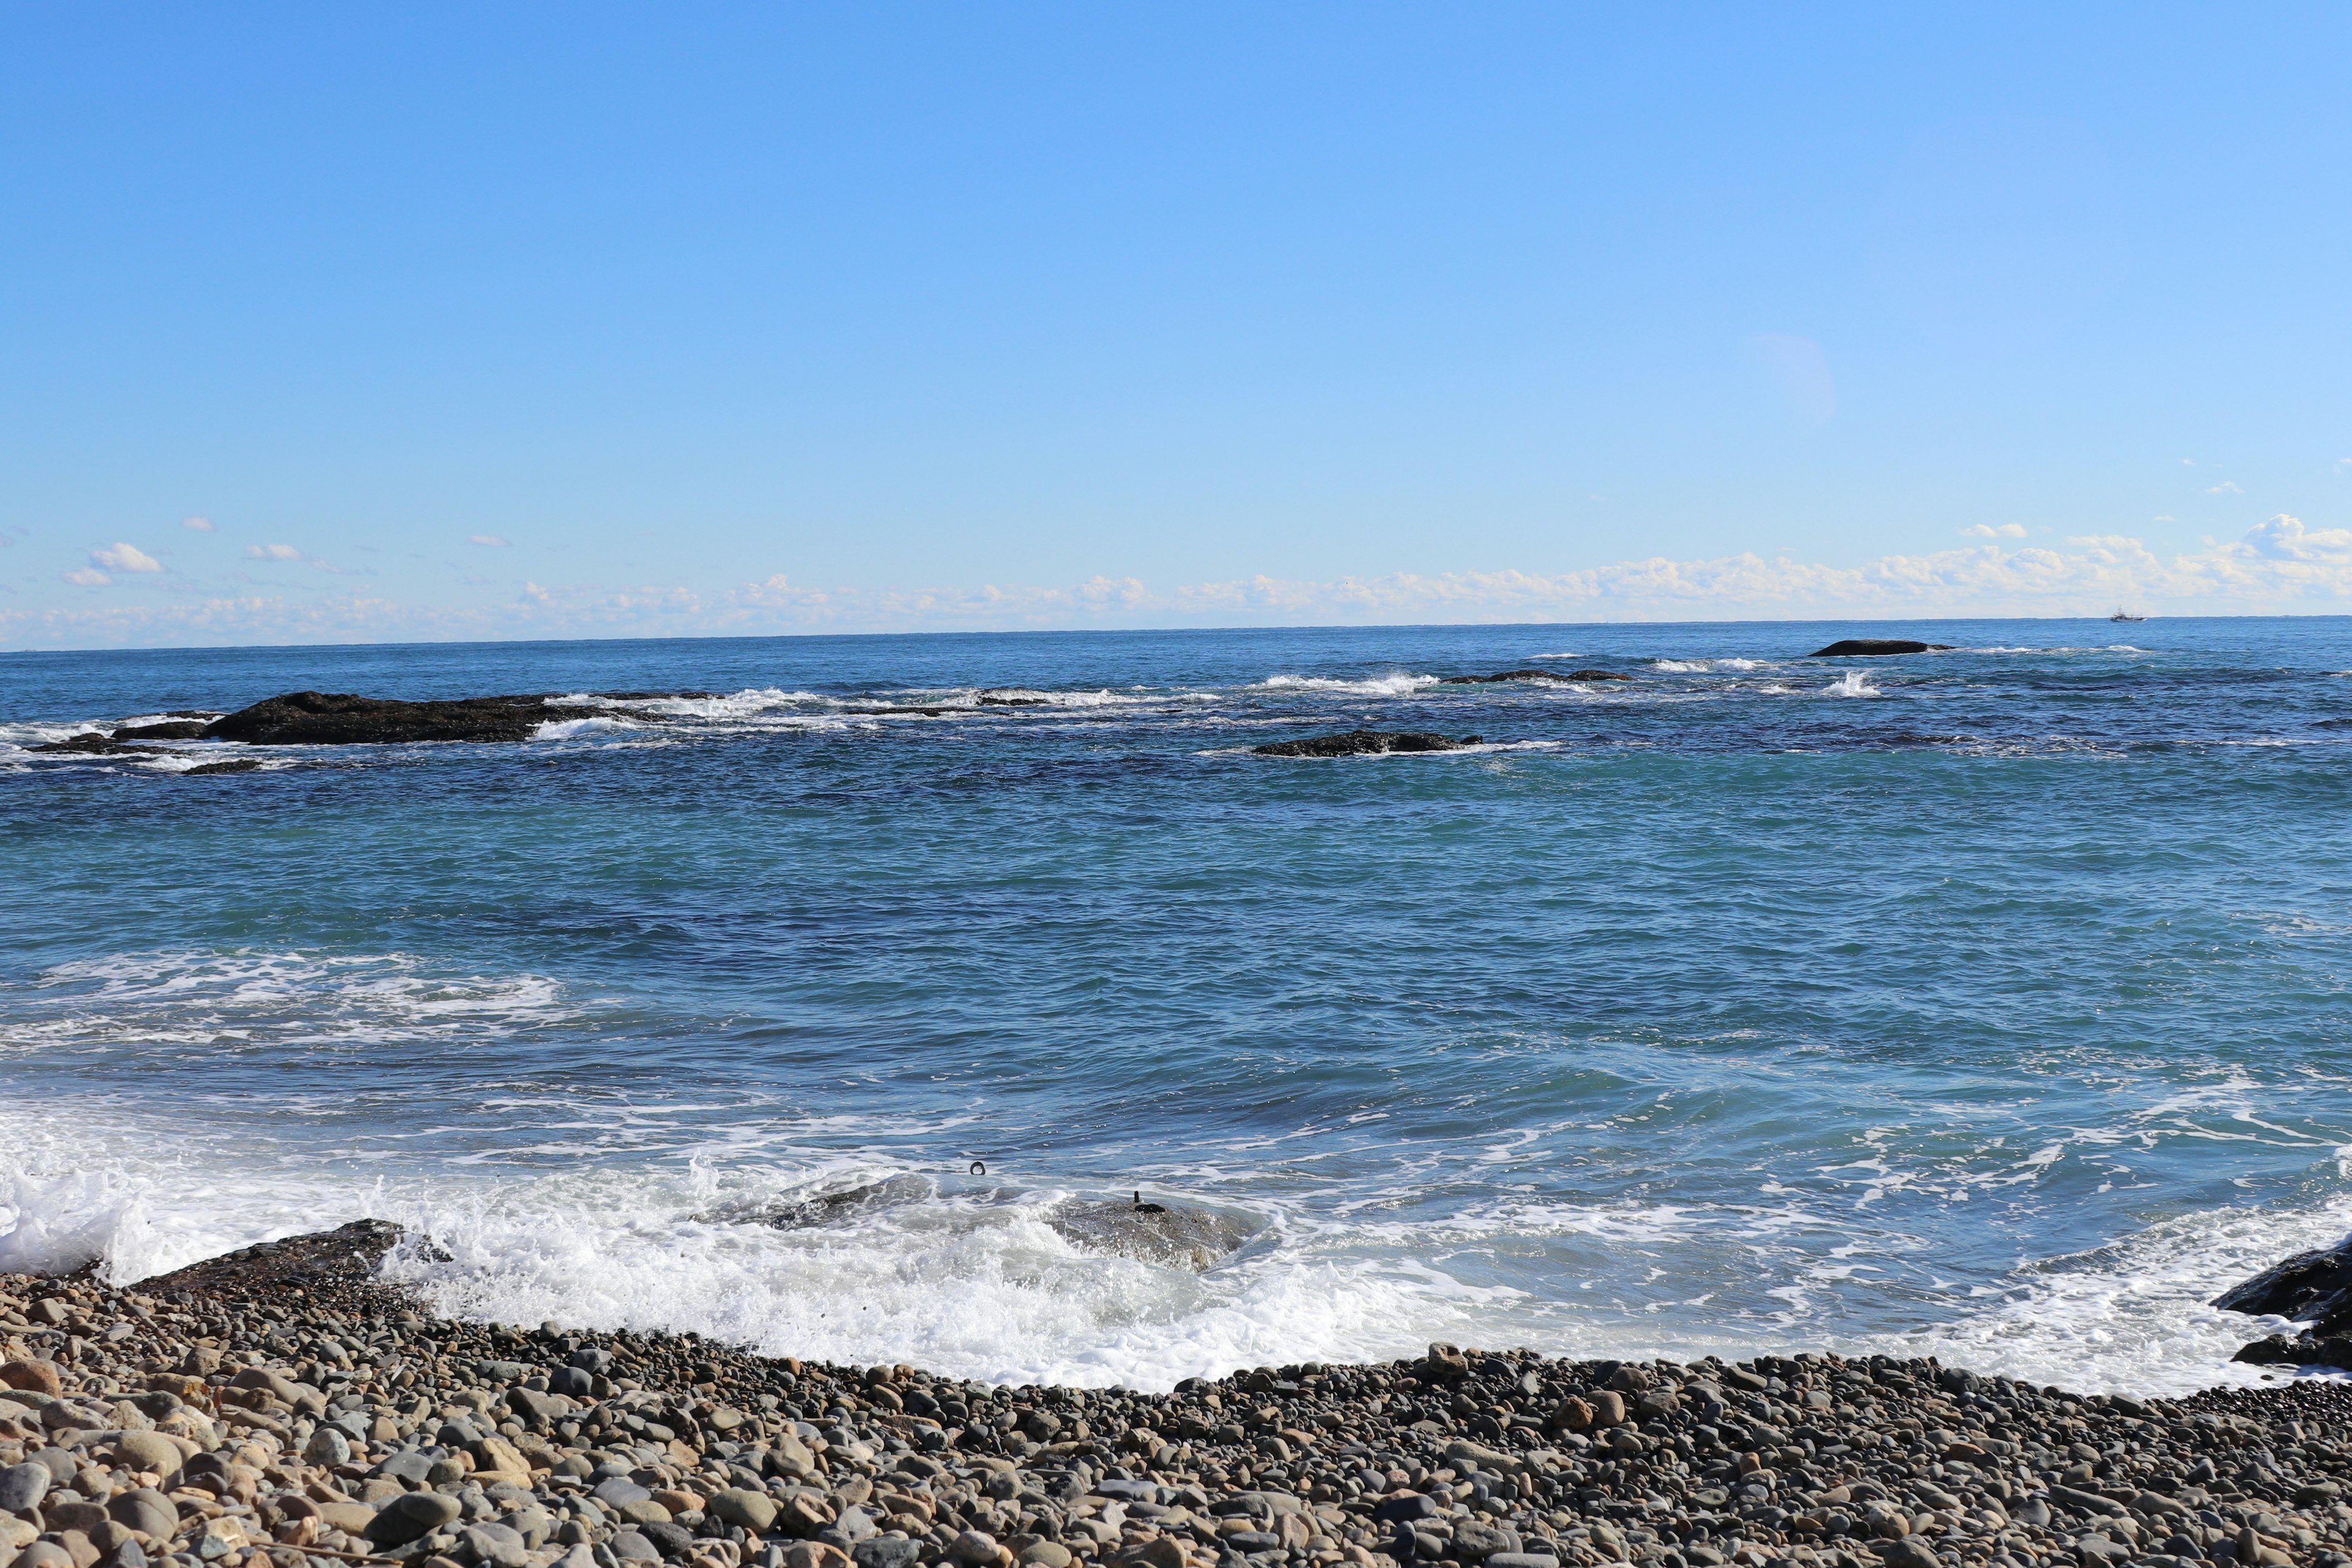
x,y
279,1408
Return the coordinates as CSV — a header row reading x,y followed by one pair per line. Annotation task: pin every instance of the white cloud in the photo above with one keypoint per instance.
x,y
125,558
2226,487
2163,517
201,524
85,578
2278,565
489,539
272,553
1984,530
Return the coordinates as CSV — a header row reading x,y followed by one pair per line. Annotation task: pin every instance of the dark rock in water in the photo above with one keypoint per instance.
x,y
89,743
1560,677
1364,743
1875,647
1149,1233
177,729
1505,675
239,765
2303,1349
2313,1288
340,719
991,700
344,1257
824,1208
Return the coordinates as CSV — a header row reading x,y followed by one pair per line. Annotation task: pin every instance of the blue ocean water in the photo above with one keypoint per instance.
x,y
1990,1002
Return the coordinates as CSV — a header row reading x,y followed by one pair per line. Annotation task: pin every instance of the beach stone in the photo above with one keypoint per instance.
x,y
45,1554
22,1487
63,1511
144,1509
405,1518
1608,1408
672,1540
1541,1559
885,1551
1910,1551
740,1505
39,1376
570,1381
150,1451
1044,1554
631,1546
645,1514
619,1491
220,1537
276,1385
1476,1538
974,1548
499,1544
1406,1509
789,1457
815,1554
327,1445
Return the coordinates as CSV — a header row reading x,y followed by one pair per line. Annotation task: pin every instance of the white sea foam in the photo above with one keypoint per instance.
x,y
1853,683
1399,684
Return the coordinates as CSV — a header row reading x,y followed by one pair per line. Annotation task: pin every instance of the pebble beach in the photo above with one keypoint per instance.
x,y
281,1409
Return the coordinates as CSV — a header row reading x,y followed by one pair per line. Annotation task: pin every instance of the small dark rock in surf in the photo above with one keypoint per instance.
x,y
177,729
1364,743
238,766
1875,647
1551,675
89,743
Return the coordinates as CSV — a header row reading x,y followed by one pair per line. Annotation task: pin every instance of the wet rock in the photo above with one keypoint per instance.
x,y
89,743
1364,743
822,1208
1506,675
2313,1288
1875,647
172,730
234,765
342,719
1183,1237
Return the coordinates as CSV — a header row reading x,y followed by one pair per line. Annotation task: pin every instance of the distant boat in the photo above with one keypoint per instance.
x,y
2123,614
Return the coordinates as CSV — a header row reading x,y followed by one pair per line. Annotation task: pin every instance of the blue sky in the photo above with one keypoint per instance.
x,y
486,321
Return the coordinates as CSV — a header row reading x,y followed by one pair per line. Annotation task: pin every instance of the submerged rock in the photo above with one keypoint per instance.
x,y
89,743
823,1208
1560,677
1875,647
1186,1238
235,766
1364,743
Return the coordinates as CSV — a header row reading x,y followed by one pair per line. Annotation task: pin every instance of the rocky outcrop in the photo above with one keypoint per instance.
x,y
1364,743
170,730
2313,1288
1560,677
89,743
341,719
1875,647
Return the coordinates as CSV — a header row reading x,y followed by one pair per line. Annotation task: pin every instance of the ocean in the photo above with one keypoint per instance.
x,y
1989,1003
